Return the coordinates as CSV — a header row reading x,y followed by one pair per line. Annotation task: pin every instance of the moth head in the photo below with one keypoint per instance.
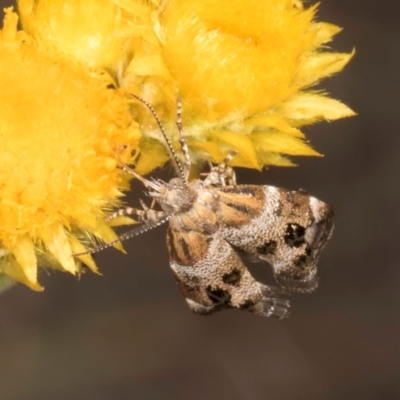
x,y
304,234
174,197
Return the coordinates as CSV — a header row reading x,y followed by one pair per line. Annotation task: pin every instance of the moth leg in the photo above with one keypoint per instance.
x,y
199,309
228,172
221,174
145,215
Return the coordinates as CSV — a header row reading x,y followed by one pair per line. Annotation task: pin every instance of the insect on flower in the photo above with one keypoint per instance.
x,y
213,222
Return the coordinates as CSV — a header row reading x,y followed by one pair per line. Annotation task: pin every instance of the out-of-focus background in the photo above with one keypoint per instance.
x,y
130,335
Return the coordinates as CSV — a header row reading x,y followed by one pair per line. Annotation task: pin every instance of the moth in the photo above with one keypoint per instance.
x,y
214,222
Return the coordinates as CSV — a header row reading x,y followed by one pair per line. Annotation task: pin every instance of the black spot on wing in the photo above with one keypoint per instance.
x,y
304,259
232,277
301,261
294,236
218,295
268,248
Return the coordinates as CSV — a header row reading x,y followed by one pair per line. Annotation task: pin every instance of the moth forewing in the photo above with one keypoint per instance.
x,y
211,219
288,231
212,276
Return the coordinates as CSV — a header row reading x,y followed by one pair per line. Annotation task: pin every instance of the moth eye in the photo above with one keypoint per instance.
x,y
268,248
232,277
218,296
295,235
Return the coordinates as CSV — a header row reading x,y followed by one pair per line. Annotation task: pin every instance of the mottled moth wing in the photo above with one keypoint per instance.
x,y
288,229
212,276
212,220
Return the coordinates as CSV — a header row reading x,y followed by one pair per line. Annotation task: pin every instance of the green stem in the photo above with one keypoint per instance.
x,y
5,283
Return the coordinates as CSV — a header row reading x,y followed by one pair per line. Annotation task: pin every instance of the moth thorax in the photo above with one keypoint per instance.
x,y
177,199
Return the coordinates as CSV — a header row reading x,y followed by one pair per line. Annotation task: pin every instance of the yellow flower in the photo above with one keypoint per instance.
x,y
243,70
58,169
243,67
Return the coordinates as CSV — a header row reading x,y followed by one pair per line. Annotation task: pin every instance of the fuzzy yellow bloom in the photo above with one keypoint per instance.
x,y
58,169
243,70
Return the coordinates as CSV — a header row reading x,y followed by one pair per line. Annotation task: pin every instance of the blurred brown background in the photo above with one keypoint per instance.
x,y
130,335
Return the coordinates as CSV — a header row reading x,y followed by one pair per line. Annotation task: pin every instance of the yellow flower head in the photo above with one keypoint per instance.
x,y
243,70
58,168
242,67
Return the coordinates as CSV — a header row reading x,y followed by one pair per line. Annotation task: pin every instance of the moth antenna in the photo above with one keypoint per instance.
x,y
178,165
182,140
127,235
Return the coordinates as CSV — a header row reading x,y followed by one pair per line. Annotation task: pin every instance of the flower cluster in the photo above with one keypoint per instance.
x,y
243,70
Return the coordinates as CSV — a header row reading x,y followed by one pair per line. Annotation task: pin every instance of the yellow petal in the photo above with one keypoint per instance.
x,y
324,32
24,268
208,147
241,143
152,155
274,121
122,220
278,142
58,244
9,31
321,65
275,159
151,64
306,108
77,247
107,235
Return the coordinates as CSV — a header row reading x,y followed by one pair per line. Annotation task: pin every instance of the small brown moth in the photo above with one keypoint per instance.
x,y
213,222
